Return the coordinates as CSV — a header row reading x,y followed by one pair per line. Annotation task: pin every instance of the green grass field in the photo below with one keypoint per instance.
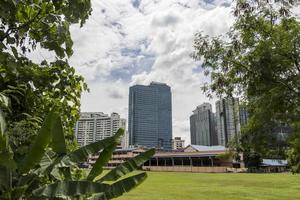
x,y
200,186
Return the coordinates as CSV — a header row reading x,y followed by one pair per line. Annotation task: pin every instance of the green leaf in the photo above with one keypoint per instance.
x,y
125,185
67,189
128,166
58,138
3,137
6,158
82,153
4,101
47,163
98,196
64,189
5,177
6,155
102,160
104,157
38,147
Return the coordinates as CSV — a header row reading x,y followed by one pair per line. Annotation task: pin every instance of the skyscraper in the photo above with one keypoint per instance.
x,y
95,126
202,126
228,120
150,115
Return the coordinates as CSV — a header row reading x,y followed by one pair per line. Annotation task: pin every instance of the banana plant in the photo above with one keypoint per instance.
x,y
47,170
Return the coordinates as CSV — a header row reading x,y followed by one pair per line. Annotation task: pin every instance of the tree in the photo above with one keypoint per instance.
x,y
48,170
258,61
33,88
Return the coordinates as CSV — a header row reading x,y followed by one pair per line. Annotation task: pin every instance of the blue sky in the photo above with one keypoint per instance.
x,y
127,42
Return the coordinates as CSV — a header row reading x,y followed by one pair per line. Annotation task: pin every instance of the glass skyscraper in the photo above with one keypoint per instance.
x,y
228,120
150,116
202,126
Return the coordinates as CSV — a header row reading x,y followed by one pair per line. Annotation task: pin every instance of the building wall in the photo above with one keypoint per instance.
x,y
125,140
202,126
177,143
244,115
228,120
92,127
186,169
150,116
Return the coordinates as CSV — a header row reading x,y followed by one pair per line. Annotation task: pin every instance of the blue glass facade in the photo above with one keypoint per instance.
x,y
150,116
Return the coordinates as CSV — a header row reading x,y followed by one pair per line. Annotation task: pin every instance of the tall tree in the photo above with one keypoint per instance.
x,y
31,25
258,61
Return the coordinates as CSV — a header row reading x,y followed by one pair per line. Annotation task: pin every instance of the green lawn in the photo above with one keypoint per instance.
x,y
200,186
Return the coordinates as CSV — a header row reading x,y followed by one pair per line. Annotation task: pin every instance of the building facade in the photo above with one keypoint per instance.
x,y
228,120
177,143
150,116
202,126
244,115
125,140
95,126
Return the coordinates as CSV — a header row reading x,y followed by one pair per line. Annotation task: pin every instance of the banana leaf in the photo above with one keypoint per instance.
x,y
38,147
5,178
125,185
82,153
65,189
103,158
3,136
58,139
98,196
128,166
101,191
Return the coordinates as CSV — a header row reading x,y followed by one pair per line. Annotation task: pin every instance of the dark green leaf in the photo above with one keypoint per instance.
x,y
125,185
82,153
104,157
128,166
64,189
58,138
38,147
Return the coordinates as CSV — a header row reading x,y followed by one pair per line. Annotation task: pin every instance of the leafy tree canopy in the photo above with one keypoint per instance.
x,y
29,25
258,61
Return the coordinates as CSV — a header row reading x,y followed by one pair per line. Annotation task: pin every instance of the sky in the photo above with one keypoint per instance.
x,y
127,42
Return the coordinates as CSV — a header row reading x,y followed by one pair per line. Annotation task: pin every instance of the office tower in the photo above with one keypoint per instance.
x,y
202,126
177,143
95,126
150,116
228,121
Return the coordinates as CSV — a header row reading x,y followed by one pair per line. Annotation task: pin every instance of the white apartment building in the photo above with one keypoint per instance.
x,y
95,126
177,143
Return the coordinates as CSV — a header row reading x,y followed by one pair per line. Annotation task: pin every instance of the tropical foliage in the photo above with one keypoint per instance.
x,y
48,171
35,85
258,61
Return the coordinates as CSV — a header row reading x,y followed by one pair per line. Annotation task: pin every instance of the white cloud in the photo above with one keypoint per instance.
x,y
143,42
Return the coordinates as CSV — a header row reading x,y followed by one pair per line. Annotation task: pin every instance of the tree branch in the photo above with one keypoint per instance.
x,y
10,30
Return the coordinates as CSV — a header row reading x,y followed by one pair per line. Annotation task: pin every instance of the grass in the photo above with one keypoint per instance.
x,y
200,186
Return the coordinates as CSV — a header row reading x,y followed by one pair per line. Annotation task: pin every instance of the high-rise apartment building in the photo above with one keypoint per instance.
x,y
150,116
125,140
228,120
177,143
202,126
95,126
